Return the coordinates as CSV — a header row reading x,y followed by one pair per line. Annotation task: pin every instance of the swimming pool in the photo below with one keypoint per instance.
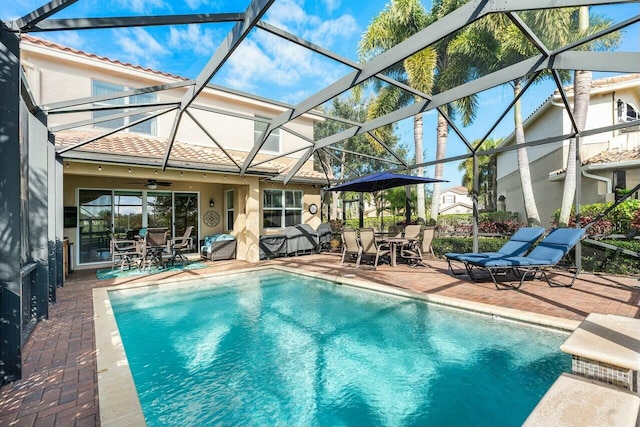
x,y
274,348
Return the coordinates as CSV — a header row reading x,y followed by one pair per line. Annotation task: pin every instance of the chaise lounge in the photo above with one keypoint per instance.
x,y
547,254
519,243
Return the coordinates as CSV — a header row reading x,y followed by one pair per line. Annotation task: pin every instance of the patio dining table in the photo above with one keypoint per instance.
x,y
394,243
154,256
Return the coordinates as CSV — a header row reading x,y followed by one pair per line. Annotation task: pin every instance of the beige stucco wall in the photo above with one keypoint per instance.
x,y
548,158
247,198
547,194
55,75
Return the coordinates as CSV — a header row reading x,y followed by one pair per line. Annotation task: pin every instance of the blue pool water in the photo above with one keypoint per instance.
x,y
271,348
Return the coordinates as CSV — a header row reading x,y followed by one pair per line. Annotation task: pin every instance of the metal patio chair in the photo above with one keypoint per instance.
x,y
351,245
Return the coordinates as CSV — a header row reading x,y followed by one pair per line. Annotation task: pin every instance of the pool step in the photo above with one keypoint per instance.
x,y
574,401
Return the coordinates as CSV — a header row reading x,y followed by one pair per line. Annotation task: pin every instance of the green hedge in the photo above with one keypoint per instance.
x,y
600,260
442,245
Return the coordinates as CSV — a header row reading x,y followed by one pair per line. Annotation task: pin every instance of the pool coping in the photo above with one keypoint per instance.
x,y
118,398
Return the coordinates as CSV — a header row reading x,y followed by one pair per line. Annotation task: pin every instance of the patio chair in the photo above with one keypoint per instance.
x,y
427,239
411,250
156,245
546,255
519,243
395,231
371,247
125,252
351,245
180,244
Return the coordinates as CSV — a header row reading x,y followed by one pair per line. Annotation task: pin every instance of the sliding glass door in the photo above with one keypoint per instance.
x,y
95,214
186,214
125,212
159,209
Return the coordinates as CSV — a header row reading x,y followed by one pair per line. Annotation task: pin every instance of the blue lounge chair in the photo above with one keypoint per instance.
x,y
521,241
547,254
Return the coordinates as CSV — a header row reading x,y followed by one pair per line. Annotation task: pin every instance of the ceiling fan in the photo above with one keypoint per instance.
x,y
152,184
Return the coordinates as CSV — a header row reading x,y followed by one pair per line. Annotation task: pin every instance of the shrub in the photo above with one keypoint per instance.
x,y
488,222
442,245
620,220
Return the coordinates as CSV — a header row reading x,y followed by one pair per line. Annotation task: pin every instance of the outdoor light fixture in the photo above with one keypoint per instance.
x,y
129,170
67,165
99,168
211,203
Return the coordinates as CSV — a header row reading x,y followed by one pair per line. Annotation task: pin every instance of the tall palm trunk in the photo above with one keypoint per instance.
x,y
441,148
337,195
417,137
581,98
530,208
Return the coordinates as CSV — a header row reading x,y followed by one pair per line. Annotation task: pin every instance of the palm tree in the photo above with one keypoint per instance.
x,y
494,42
428,70
486,174
399,20
581,98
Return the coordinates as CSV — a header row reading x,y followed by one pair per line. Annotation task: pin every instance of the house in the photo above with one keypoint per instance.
x,y
610,158
455,200
113,176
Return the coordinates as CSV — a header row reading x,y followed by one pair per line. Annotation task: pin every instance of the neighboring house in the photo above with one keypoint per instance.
x,y
610,159
455,200
116,183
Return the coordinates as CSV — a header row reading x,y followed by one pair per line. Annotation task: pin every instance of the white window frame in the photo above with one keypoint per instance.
x,y
229,195
126,101
284,209
448,199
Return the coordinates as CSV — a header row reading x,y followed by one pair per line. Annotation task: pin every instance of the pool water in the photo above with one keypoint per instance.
x,y
273,348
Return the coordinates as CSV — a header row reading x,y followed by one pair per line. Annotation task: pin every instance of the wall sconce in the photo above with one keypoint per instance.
x,y
99,168
211,202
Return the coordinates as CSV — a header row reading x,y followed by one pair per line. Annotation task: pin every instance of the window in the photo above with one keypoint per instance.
x,y
127,213
448,199
619,183
627,112
102,88
230,211
273,141
281,208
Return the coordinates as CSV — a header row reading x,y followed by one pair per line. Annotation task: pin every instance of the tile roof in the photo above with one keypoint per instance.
x,y
458,190
52,45
613,156
138,146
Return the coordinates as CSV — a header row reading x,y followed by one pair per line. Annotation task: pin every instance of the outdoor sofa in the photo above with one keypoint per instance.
x,y
218,247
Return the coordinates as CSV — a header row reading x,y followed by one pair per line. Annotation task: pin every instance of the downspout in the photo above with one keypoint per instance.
x,y
599,178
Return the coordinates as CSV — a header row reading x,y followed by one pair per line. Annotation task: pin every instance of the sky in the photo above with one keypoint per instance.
x,y
271,67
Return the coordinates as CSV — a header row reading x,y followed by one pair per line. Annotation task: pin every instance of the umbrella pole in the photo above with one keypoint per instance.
x,y
361,210
407,202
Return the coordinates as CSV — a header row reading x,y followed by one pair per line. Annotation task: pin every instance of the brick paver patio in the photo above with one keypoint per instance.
x,y
59,385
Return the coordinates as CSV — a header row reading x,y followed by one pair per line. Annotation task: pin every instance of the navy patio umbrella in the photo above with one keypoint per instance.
x,y
382,181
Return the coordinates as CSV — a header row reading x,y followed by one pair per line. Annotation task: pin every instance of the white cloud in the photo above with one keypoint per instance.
x,y
193,38
68,38
328,32
288,13
142,6
266,60
139,47
195,4
331,5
